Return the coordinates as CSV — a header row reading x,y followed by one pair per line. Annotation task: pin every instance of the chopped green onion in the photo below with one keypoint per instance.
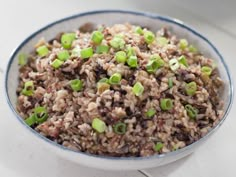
x,y
130,51
67,40
117,42
102,86
162,41
151,112
40,114
166,104
206,70
183,44
63,55
155,57
183,61
42,51
120,128
149,37
138,89
170,82
104,80
98,125
56,63
139,30
192,49
102,49
174,64
191,88
76,85
115,78
120,57
158,146
132,62
152,66
22,59
191,111
30,120
28,88
86,53
76,51
97,37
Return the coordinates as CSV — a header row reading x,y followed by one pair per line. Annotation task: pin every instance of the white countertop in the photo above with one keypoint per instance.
x,y
21,158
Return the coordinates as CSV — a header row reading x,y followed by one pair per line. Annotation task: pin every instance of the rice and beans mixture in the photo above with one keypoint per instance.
x,y
119,90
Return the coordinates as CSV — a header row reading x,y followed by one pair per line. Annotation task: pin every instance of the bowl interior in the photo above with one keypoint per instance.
x,y
110,18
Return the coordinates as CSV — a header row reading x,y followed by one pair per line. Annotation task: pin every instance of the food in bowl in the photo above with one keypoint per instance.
x,y
119,90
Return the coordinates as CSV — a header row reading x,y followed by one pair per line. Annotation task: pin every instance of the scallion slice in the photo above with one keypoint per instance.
x,y
98,125
151,112
132,62
97,37
166,104
191,111
40,114
42,51
115,79
57,63
86,53
102,49
174,64
67,40
138,89
182,60
130,51
30,120
183,44
158,146
120,128
22,59
139,30
152,66
206,70
162,41
76,85
170,82
28,88
191,88
117,42
149,37
121,57
63,55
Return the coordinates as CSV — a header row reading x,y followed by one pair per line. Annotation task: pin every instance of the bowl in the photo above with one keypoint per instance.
x,y
109,17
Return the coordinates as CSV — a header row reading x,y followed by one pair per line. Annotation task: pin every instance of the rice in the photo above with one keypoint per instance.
x,y
70,113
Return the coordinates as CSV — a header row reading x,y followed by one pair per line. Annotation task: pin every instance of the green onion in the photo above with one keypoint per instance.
x,y
120,57
120,128
97,37
155,57
206,70
174,64
139,30
40,114
192,49
67,40
42,51
63,55
191,88
86,53
149,37
132,62
170,82
102,86
166,104
152,66
183,44
183,61
138,89
117,42
76,51
98,125
76,85
151,112
56,63
162,41
191,111
30,120
158,146
102,49
28,88
130,51
22,59
115,78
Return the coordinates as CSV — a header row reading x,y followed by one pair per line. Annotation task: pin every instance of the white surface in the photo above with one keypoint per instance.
x,y
21,158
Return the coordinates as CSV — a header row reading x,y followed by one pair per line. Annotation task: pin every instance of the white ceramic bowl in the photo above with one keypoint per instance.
x,y
109,17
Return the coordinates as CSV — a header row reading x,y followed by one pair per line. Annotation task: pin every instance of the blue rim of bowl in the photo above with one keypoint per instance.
x,y
149,15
